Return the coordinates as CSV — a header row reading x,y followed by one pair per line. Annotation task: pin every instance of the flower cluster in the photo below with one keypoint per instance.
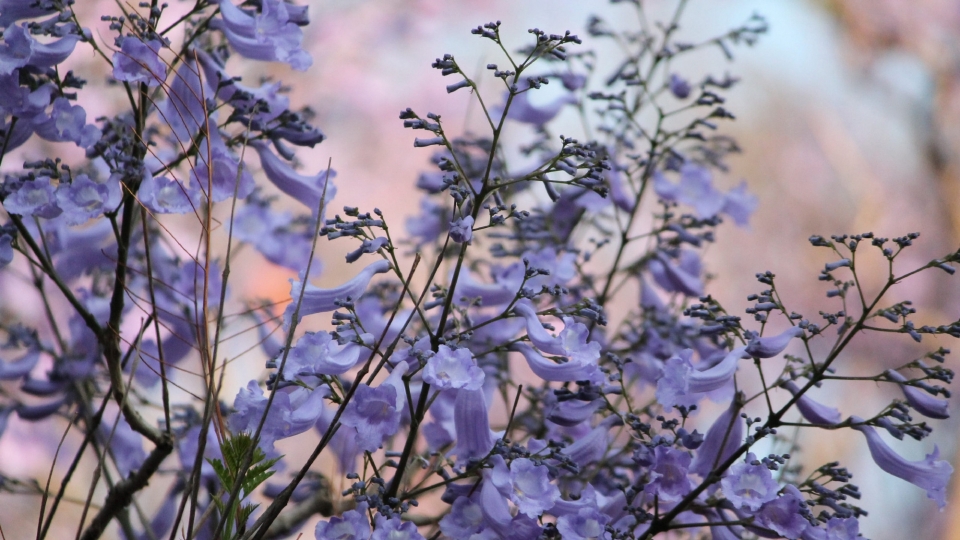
x,y
487,363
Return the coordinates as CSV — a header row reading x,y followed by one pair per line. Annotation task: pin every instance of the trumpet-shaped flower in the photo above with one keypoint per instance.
x,y
269,35
921,401
813,411
305,189
930,473
317,300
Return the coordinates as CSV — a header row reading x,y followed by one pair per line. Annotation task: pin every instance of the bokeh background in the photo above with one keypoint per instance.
x,y
848,114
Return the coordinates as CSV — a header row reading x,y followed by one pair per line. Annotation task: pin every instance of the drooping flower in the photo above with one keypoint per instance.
x,y
317,300
269,35
139,62
682,275
19,49
586,524
835,529
472,425
749,484
549,370
930,473
292,412
571,343
814,412
770,346
507,281
453,369
680,383
921,401
305,189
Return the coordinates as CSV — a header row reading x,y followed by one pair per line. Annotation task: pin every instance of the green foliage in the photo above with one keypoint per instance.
x,y
235,450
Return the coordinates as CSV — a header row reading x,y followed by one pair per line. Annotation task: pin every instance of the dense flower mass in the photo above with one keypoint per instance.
x,y
489,374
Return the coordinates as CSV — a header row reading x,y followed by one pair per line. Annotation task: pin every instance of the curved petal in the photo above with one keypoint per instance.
x,y
921,401
814,412
317,300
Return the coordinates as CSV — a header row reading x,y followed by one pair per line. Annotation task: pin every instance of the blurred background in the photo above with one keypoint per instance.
x,y
848,114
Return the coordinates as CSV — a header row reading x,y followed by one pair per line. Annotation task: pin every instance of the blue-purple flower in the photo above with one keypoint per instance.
x,y
317,300
930,473
668,474
351,525
921,401
453,369
461,230
749,484
270,34
139,62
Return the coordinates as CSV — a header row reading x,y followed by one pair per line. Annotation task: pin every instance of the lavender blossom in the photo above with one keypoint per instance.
x,y
375,412
921,401
783,514
20,49
317,300
351,525
461,230
532,491
929,473
269,35
668,474
768,347
139,62
453,369
305,189
749,485
474,438
814,412
394,529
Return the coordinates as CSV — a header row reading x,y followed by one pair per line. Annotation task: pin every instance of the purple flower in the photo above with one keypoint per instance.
x,y
835,529
571,343
783,514
562,268
317,353
522,110
66,123
368,246
394,529
453,368
126,444
814,412
12,11
507,281
430,224
317,300
34,198
695,189
532,491
19,49
768,347
185,109
587,524
749,484
139,62
929,473
739,204
18,369
219,169
269,35
291,413
305,189
549,370
668,474
375,412
83,199
464,519
461,230
352,525
681,383
472,425
165,196
673,277
920,400
679,87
